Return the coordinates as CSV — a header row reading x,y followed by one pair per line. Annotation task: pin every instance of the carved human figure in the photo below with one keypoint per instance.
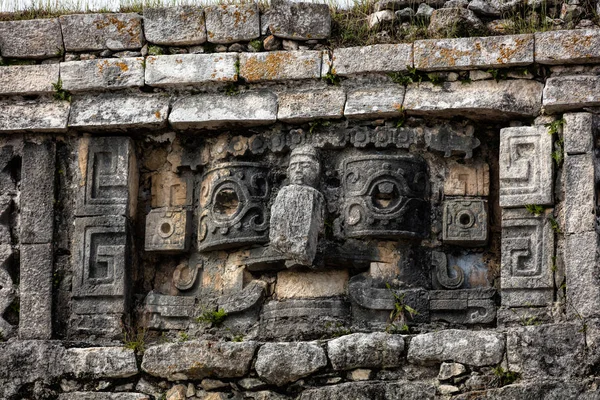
x,y
297,213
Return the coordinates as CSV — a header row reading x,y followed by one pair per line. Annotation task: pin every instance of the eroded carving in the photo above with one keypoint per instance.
x,y
467,180
168,229
8,292
441,273
451,140
465,222
465,306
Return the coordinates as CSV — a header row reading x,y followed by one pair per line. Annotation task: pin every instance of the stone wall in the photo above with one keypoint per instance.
x,y
411,220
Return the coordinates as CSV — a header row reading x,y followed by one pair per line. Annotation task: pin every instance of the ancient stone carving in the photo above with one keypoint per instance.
x,y
465,306
441,274
186,274
167,229
169,312
465,222
450,140
525,166
385,197
169,190
8,292
467,180
233,199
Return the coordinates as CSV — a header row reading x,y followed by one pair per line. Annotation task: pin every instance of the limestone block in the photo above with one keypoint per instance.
x,y
168,312
366,350
475,348
455,21
8,292
114,111
217,110
300,21
578,132
295,284
451,370
28,79
465,222
280,65
190,69
480,99
564,93
372,390
375,102
85,32
375,58
283,363
463,306
580,194
567,47
175,26
34,116
582,276
472,53
526,265
101,324
168,229
35,38
100,362
169,190
232,23
526,166
199,359
467,179
102,396
296,106
102,74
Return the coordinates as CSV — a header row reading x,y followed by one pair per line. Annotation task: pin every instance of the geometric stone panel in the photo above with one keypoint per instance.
x,y
465,222
465,306
525,166
467,180
168,229
526,265
169,190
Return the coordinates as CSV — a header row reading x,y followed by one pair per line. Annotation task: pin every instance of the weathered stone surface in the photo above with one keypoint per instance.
x,y
190,69
567,47
84,32
102,74
379,18
100,362
232,23
470,53
405,390
467,179
34,116
451,370
564,93
113,111
199,359
299,106
580,201
526,166
366,350
582,275
282,363
168,229
169,190
35,318
376,58
463,306
280,65
578,132
545,389
375,102
175,26
300,21
168,312
36,38
476,348
294,284
447,22
102,396
216,110
28,79
465,222
480,100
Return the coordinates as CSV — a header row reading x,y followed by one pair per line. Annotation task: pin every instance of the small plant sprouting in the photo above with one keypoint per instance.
x,y
215,318
331,78
238,67
60,93
558,155
555,126
466,81
232,89
398,316
183,336
505,377
257,45
554,266
497,74
338,329
155,50
535,209
317,124
237,338
404,78
135,341
402,119
436,79
554,224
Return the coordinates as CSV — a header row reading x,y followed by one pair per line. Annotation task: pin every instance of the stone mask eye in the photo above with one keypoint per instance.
x,y
385,195
226,202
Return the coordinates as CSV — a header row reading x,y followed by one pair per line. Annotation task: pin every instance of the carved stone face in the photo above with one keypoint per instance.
x,y
304,170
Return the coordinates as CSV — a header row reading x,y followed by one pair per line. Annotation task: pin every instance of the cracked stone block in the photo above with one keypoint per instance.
x,y
567,47
375,58
300,21
526,166
366,350
28,79
578,132
232,23
299,106
375,102
34,116
295,284
280,65
283,363
100,362
580,194
467,179
582,277
88,32
190,69
168,229
565,93
102,74
465,222
35,38
175,26
35,315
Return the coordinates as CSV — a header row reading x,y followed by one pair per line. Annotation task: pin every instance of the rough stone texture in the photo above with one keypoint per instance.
x,y
375,58
102,396
580,201
467,179
295,284
168,230
480,100
545,389
232,23
471,53
190,69
564,93
465,222
105,362
405,390
280,65
462,306
451,370
85,32
366,350
375,102
447,22
199,359
78,76
36,38
282,363
578,132
476,348
34,116
175,26
300,21
299,107
28,79
380,17
217,110
567,47
582,275
111,111
35,317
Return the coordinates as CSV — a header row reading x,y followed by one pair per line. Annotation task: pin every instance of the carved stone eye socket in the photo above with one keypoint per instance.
x,y
465,219
385,195
226,202
165,227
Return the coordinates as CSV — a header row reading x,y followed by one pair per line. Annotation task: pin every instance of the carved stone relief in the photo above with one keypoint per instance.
x,y
465,222
168,229
467,179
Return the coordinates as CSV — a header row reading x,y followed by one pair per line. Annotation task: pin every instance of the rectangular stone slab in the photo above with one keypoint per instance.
x,y
42,115
577,46
102,74
578,132
190,69
35,315
296,106
564,93
28,79
175,26
580,194
280,65
375,58
582,275
232,23
375,102
34,38
85,32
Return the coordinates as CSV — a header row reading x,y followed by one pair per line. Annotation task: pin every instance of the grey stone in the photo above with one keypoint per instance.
x,y
168,229
251,296
290,45
300,21
545,389
451,370
85,32
452,140
446,390
102,325
465,222
447,22
580,195
564,93
212,384
442,277
232,23
280,65
8,292
102,396
463,306
479,100
251,384
475,348
380,17
35,318
582,277
265,395
36,38
271,43
578,132
526,166
100,362
375,58
478,75
456,4
405,390
374,102
115,111
366,350
283,363
28,79
424,12
199,359
406,14
190,69
175,26
470,53
102,74
34,116
302,106
216,110
567,47
168,312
